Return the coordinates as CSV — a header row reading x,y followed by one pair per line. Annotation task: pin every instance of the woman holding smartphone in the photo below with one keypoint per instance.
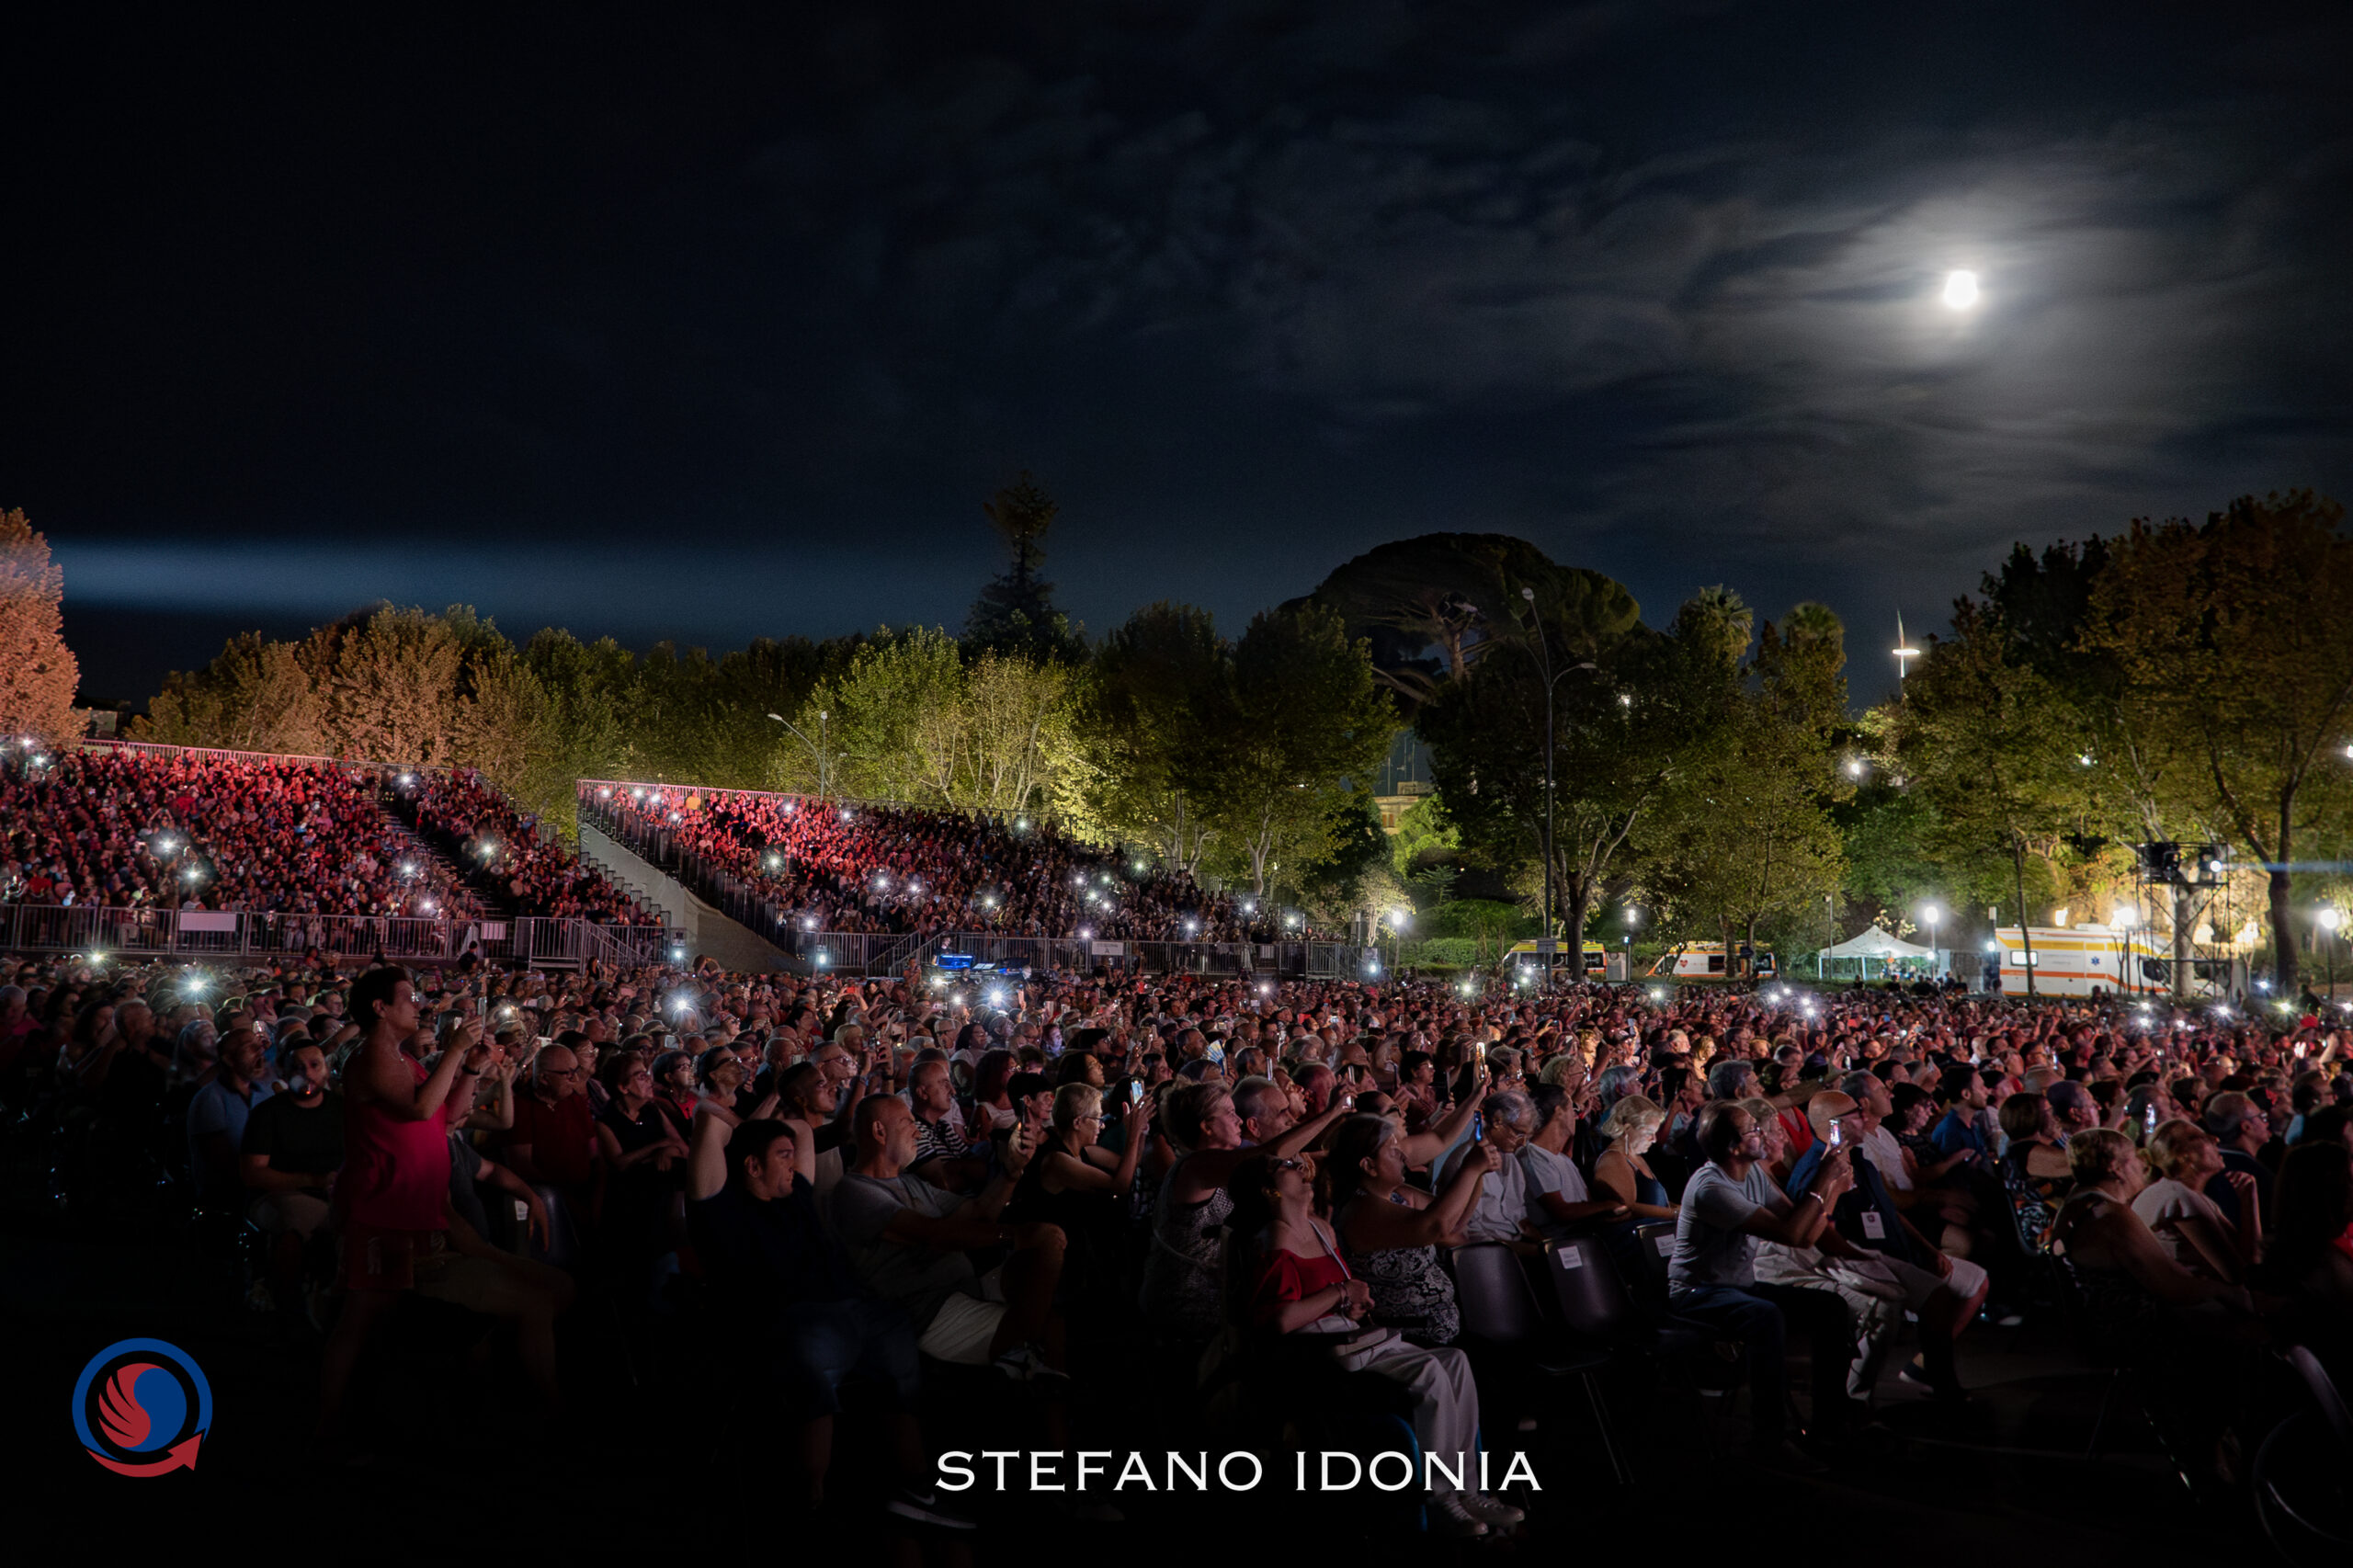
x,y
1301,1289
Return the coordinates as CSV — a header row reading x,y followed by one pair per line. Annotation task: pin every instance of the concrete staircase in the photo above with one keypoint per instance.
x,y
496,904
709,932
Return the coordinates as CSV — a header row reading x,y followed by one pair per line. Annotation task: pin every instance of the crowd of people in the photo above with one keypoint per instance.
x,y
1288,1204
895,870
125,829
533,874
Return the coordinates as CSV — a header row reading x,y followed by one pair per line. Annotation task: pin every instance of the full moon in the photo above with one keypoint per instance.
x,y
1961,290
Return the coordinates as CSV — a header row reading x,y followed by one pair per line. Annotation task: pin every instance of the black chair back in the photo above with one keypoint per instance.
x,y
1654,1246
1492,1291
2333,1410
1593,1299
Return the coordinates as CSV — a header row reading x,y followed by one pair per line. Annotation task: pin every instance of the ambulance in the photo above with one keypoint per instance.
x,y
1706,961
2078,960
1528,955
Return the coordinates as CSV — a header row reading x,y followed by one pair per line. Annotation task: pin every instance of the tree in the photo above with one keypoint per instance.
x,y
1989,745
387,682
2228,630
38,671
897,716
1019,719
1744,839
1432,606
1014,613
255,696
1352,876
1633,705
1309,729
1160,701
2145,766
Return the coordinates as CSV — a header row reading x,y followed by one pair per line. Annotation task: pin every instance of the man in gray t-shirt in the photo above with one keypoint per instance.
x,y
1729,1207
911,1242
1712,1242
918,1276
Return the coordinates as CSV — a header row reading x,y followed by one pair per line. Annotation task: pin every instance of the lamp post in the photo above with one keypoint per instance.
x,y
1929,915
816,750
2328,919
1544,653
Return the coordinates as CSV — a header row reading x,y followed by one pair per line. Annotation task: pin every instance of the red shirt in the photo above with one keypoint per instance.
x,y
395,1171
1285,1277
562,1137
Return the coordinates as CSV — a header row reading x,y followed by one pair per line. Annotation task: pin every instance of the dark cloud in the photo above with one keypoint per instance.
x,y
719,329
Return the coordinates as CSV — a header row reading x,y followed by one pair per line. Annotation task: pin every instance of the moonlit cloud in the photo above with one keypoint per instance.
x,y
1254,287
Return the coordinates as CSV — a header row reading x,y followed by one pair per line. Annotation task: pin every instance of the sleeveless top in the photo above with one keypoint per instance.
x,y
1410,1292
395,1171
1182,1293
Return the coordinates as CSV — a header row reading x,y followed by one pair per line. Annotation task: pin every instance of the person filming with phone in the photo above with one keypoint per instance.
x,y
1729,1207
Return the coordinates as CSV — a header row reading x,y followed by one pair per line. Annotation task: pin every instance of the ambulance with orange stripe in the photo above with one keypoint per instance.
x,y
2078,960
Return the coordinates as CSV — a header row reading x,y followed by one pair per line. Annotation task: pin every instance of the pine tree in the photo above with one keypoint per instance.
x,y
1016,613
37,673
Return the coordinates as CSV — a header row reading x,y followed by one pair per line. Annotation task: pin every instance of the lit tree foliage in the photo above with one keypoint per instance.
x,y
37,673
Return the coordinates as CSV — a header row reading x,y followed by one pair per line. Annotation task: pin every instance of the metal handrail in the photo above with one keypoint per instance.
x,y
231,935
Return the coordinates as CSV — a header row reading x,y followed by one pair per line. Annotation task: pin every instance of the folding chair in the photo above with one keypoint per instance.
x,y
1499,1310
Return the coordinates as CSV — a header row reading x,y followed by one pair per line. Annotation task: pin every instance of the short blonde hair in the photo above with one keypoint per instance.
x,y
2175,1146
1074,1102
1632,1114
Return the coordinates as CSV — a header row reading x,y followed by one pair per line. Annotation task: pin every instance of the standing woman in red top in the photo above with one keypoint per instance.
x,y
393,1196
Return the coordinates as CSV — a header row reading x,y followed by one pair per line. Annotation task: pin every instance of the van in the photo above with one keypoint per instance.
x,y
2075,962
1596,956
1707,960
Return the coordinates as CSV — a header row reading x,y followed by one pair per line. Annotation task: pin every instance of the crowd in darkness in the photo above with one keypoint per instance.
x,y
536,874
1292,1205
132,829
880,869
171,830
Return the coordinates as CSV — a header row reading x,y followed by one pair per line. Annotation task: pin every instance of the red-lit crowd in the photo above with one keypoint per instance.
x,y
832,867
149,830
485,832
1303,1209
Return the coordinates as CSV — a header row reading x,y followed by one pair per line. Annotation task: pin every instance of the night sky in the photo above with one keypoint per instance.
x,y
714,328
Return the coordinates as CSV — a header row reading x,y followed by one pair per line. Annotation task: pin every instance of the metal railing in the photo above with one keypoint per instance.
x,y
233,934
223,754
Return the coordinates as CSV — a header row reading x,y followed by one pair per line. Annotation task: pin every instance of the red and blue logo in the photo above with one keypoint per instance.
x,y
142,1408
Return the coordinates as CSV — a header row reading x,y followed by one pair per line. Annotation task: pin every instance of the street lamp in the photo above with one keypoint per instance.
x,y
817,751
1929,915
1544,657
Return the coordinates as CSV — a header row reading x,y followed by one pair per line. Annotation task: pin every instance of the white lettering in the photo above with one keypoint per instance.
x,y
1040,1463
1433,1467
1135,1467
1404,1466
1483,1472
1000,1455
1176,1466
1257,1471
1299,1477
1520,1470
1356,1470
956,1461
1085,1468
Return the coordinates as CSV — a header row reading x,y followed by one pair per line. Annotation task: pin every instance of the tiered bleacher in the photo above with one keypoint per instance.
x,y
534,874
843,868
138,828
